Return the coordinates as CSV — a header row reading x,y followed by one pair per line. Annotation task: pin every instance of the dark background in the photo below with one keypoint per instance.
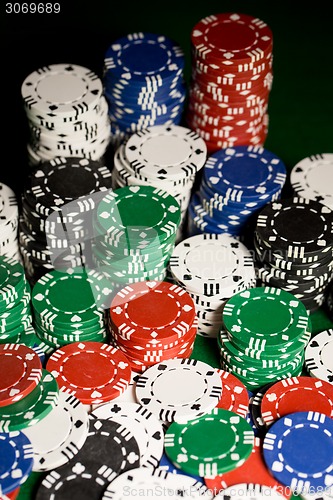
x,y
301,102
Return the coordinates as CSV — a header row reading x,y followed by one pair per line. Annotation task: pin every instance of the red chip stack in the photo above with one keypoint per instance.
x,y
231,80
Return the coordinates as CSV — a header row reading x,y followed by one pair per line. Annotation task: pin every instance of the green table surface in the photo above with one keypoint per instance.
x,y
300,106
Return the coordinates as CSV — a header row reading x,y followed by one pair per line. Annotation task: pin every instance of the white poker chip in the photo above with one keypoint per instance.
x,y
161,483
213,265
249,491
179,389
8,210
319,356
145,427
166,152
59,436
312,178
62,90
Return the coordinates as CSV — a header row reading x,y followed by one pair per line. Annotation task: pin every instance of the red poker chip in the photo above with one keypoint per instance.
x,y
93,372
234,394
146,310
211,123
241,68
221,101
253,470
231,37
150,358
225,130
139,367
297,394
11,496
231,86
20,372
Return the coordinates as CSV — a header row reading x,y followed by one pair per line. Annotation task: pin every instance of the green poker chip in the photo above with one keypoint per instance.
x,y
210,445
33,407
138,214
265,318
71,297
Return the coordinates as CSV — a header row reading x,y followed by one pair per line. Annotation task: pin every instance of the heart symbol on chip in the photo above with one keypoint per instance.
x,y
134,189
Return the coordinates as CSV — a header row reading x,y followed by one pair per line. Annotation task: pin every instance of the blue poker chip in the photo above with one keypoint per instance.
x,y
198,224
143,56
298,450
168,466
244,173
16,460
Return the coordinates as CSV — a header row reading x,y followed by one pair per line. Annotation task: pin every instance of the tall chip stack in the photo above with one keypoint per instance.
x,y
135,231
57,208
212,267
67,113
294,246
236,183
163,156
143,81
231,80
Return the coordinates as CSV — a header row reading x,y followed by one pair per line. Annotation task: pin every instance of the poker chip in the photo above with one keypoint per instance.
x,y
74,367
105,435
228,443
20,372
253,467
69,423
266,332
236,183
212,267
298,451
298,394
179,389
231,80
145,427
66,112
83,479
296,233
143,81
31,409
318,356
152,313
16,460
312,178
234,394
250,490
145,480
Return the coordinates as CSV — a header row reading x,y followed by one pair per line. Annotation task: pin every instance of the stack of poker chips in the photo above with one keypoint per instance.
x,y
265,331
143,80
212,268
231,80
70,307
8,222
152,322
236,183
312,178
57,208
135,230
294,246
166,157
66,112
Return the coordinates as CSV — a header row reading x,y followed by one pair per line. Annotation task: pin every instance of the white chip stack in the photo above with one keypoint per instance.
x,y
8,223
67,113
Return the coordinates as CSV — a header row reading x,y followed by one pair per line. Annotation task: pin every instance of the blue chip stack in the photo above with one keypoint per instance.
x,y
236,183
143,83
